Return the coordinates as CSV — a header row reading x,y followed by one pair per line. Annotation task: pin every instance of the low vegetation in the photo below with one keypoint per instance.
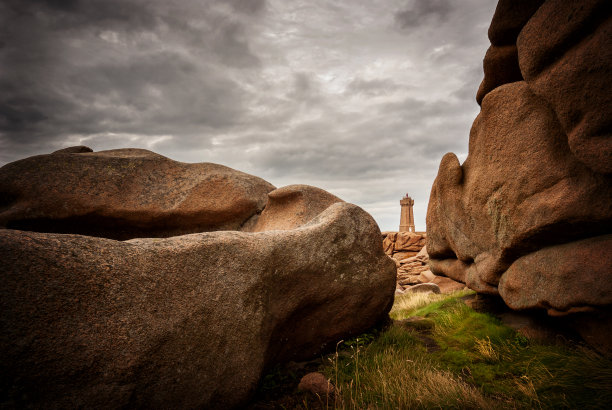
x,y
439,353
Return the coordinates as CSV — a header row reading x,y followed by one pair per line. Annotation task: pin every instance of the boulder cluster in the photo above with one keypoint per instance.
x,y
528,214
131,280
402,245
410,255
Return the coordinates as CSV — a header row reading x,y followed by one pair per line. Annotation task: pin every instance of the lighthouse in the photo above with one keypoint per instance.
x,y
407,216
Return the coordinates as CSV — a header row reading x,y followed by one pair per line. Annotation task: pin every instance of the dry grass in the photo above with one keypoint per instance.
x,y
486,349
406,304
396,380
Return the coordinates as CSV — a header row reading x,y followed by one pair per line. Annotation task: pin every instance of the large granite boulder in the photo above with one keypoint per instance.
x,y
188,321
126,193
528,215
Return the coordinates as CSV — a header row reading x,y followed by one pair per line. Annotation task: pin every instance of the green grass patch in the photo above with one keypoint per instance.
x,y
440,353
464,359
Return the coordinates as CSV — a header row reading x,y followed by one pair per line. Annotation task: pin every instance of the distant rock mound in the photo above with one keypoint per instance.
x,y
401,245
188,321
414,270
528,215
126,193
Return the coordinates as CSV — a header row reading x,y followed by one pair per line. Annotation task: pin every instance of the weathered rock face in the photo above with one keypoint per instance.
x,y
412,261
531,206
565,54
410,269
414,270
401,245
126,193
189,321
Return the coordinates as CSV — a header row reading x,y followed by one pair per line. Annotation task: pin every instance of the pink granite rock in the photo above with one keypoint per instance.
x,y
126,193
531,206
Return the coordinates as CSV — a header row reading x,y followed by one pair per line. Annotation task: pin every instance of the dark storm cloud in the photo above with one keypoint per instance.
x,y
74,14
81,67
422,11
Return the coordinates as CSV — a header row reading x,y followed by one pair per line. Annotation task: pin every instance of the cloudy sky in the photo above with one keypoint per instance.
x,y
359,97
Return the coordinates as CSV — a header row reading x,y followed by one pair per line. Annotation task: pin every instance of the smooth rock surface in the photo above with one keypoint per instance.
x,y
292,206
509,18
530,282
126,193
447,285
500,67
188,321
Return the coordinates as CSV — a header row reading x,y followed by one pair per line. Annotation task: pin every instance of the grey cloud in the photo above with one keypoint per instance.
x,y
422,11
74,14
122,97
471,81
302,84
372,87
82,67
64,5
233,47
305,93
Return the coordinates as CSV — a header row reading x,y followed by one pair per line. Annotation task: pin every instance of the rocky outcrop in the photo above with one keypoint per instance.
x,y
410,269
415,271
188,321
531,206
501,67
401,245
126,193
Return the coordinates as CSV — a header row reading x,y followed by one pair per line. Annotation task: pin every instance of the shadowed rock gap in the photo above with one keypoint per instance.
x,y
112,228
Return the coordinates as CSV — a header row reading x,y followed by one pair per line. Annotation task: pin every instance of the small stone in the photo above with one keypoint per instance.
x,y
316,383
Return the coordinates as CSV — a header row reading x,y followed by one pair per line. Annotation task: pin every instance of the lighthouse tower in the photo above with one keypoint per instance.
x,y
407,216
